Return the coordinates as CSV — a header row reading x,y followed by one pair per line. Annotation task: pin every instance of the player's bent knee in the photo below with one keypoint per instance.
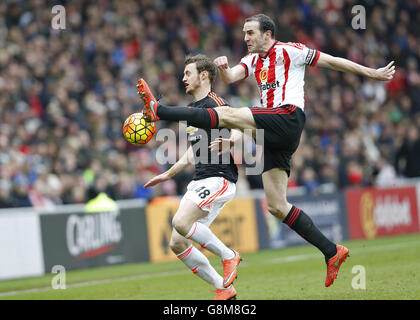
x,y
235,118
232,117
278,210
180,226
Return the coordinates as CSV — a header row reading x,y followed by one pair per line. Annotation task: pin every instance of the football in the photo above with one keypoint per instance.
x,y
137,130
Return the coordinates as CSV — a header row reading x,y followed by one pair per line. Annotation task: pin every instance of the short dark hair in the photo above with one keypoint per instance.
x,y
203,63
266,23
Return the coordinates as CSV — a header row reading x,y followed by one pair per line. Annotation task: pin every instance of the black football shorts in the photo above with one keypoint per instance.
x,y
282,130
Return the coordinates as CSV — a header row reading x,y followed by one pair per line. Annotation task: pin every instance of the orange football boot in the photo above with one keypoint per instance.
x,y
230,269
334,264
150,102
225,294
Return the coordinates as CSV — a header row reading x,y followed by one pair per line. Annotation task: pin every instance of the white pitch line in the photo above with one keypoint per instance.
x,y
243,265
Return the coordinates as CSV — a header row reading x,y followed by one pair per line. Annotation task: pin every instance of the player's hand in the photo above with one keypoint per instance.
x,y
221,62
385,73
223,145
158,179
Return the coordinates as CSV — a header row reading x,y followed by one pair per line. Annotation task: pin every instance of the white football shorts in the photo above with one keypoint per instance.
x,y
211,195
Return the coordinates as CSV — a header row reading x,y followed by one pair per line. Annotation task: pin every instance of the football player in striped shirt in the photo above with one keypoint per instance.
x,y
279,70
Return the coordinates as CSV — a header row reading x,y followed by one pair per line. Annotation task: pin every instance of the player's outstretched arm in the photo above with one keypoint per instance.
x,y
186,159
345,65
229,75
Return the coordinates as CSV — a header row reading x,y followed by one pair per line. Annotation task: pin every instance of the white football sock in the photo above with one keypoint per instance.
x,y
200,265
203,235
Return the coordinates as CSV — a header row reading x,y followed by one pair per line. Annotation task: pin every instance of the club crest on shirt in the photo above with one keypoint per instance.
x,y
279,61
191,129
193,133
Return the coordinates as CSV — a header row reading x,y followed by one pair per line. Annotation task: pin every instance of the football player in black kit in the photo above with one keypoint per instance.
x,y
212,185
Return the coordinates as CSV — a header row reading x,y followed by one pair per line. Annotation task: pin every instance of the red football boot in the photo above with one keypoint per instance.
x,y
150,102
334,264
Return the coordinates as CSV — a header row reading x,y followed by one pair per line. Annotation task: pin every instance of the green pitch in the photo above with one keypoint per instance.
x,y
391,267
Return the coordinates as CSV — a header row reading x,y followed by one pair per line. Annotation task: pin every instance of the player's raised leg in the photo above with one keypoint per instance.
x,y
224,116
275,187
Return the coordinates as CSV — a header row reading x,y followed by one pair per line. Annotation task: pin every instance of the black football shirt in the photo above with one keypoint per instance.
x,y
209,163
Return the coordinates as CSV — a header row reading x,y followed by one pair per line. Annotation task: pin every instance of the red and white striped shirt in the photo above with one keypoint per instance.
x,y
280,73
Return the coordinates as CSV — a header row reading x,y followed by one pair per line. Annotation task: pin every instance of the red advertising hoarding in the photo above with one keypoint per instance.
x,y
381,212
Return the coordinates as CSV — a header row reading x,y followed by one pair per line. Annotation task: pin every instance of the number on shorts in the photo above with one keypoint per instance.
x,y
204,193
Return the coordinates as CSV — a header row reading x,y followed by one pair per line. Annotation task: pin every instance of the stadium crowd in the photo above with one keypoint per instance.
x,y
64,94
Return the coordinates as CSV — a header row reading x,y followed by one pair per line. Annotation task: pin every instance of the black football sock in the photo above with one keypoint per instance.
x,y
300,222
205,118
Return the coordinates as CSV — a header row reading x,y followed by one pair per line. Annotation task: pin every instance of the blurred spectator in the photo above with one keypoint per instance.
x,y
20,191
6,200
309,180
385,173
64,94
408,156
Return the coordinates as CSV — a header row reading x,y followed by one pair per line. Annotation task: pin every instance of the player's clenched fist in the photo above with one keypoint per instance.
x,y
221,62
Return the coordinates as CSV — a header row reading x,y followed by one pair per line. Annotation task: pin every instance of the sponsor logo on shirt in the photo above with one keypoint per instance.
x,y
267,86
